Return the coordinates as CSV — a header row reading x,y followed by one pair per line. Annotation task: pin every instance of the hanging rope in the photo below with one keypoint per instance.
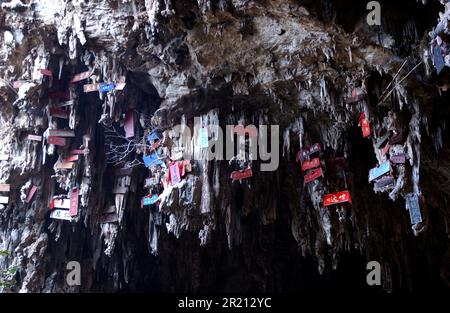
x,y
393,79
398,84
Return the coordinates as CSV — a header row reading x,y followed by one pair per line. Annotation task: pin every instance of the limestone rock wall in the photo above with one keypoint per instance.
x,y
314,68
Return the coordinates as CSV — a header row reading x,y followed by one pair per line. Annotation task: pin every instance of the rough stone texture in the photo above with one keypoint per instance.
x,y
283,62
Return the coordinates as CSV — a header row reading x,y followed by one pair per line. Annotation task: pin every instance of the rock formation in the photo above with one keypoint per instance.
x,y
92,169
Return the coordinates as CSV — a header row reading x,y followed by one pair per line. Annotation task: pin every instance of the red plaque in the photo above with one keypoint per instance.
x,y
313,175
81,76
336,198
5,187
57,141
30,194
58,112
46,72
155,145
308,165
238,175
73,210
77,152
365,125
71,158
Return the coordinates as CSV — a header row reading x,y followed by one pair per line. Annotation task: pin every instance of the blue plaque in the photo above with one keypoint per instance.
x,y
153,137
106,87
150,200
203,138
379,171
412,204
151,160
439,62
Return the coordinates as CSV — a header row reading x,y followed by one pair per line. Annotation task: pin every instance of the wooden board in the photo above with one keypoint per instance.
x,y
176,156
61,133
73,209
30,194
357,95
66,103
61,203
396,139
123,171
61,215
58,112
77,152
381,141
81,76
64,165
385,182
109,218
4,200
120,190
156,145
72,158
57,141
34,137
187,166
109,209
304,154
91,87
46,72
308,165
5,188
398,159
16,84
385,150
151,181
336,198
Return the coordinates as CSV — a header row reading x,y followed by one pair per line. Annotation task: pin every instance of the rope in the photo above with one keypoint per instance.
x,y
398,84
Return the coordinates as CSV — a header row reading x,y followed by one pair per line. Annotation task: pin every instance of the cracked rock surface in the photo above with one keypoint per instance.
x,y
81,145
